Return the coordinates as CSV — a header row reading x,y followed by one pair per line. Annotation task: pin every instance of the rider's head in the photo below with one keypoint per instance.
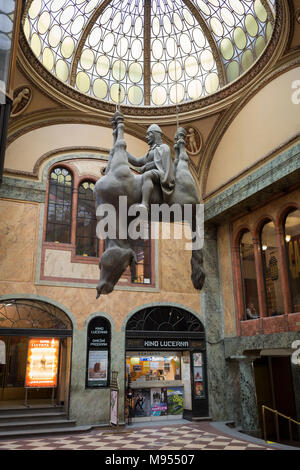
x,y
154,134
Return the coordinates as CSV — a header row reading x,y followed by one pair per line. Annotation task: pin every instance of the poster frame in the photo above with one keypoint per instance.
x,y
88,384
58,364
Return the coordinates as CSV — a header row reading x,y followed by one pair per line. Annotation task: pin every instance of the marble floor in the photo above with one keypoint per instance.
x,y
165,436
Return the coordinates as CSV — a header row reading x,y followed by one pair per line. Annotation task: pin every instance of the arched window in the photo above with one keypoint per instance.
x,y
248,273
292,243
270,258
86,239
59,206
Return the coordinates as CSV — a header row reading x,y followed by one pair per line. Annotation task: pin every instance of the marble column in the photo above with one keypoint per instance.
x,y
212,310
233,394
249,413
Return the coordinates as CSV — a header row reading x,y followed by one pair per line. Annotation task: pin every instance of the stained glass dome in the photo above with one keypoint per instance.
x,y
148,52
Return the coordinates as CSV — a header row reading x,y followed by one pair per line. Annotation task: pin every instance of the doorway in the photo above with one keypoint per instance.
x,y
274,389
165,369
24,323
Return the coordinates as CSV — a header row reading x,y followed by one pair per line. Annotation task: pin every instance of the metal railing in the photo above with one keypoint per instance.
x,y
277,414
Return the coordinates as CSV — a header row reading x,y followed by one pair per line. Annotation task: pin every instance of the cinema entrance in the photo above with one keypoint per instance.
x,y
166,375
35,354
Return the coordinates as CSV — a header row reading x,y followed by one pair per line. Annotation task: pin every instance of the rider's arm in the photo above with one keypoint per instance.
x,y
137,161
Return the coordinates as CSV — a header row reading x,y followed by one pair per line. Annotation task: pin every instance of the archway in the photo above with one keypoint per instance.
x,y
165,365
35,353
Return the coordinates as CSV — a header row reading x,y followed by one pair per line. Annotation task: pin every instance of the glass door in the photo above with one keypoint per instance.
x,y
12,367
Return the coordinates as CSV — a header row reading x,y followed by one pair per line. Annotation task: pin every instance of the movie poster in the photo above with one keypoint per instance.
x,y
42,363
97,367
159,405
175,400
141,403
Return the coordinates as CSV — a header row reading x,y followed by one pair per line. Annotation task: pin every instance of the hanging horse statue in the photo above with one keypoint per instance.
x,y
160,182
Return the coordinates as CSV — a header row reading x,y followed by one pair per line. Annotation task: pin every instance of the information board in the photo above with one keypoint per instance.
x,y
98,347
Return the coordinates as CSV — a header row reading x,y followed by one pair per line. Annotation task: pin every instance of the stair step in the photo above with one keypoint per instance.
x,y
23,425
31,416
206,418
31,410
43,432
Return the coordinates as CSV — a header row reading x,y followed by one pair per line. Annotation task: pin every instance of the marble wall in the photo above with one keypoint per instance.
x,y
18,238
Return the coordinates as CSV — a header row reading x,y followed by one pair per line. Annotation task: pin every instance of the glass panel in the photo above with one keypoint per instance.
x,y
86,239
59,206
7,11
247,260
16,361
270,257
239,29
292,243
24,313
142,249
158,366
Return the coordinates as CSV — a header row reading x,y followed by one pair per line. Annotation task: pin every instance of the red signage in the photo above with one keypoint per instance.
x,y
42,363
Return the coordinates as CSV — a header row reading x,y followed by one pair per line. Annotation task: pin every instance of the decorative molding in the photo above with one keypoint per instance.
x,y
53,116
277,174
225,119
21,99
207,105
194,141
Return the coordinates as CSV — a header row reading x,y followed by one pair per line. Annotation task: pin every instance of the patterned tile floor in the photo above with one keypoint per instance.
x,y
199,436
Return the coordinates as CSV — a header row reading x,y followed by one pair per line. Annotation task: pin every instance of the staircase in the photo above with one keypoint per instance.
x,y
36,421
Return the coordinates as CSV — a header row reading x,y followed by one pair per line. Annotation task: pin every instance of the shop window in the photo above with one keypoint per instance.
x,y
59,206
292,243
86,239
98,353
248,272
272,280
155,367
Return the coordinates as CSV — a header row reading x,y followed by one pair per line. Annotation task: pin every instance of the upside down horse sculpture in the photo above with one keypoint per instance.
x,y
162,181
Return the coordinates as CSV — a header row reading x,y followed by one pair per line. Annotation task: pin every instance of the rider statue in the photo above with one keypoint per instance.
x,y
156,166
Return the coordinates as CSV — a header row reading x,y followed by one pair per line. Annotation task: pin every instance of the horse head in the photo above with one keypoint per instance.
x,y
114,262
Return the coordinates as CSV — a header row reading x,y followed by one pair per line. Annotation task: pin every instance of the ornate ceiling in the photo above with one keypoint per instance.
x,y
142,53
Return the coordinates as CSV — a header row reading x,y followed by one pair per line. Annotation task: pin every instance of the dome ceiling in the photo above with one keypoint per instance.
x,y
148,53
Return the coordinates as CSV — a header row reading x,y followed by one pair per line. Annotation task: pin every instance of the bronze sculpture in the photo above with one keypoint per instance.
x,y
161,181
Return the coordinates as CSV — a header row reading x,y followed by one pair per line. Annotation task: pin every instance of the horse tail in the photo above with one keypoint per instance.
x,y
198,273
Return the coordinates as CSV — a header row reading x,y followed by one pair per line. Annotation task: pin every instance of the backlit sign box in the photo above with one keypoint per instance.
x,y
42,363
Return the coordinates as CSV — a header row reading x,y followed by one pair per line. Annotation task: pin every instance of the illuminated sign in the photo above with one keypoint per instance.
x,y
42,363
173,344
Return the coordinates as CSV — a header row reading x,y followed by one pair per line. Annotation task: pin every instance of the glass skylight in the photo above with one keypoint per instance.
x,y
148,52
